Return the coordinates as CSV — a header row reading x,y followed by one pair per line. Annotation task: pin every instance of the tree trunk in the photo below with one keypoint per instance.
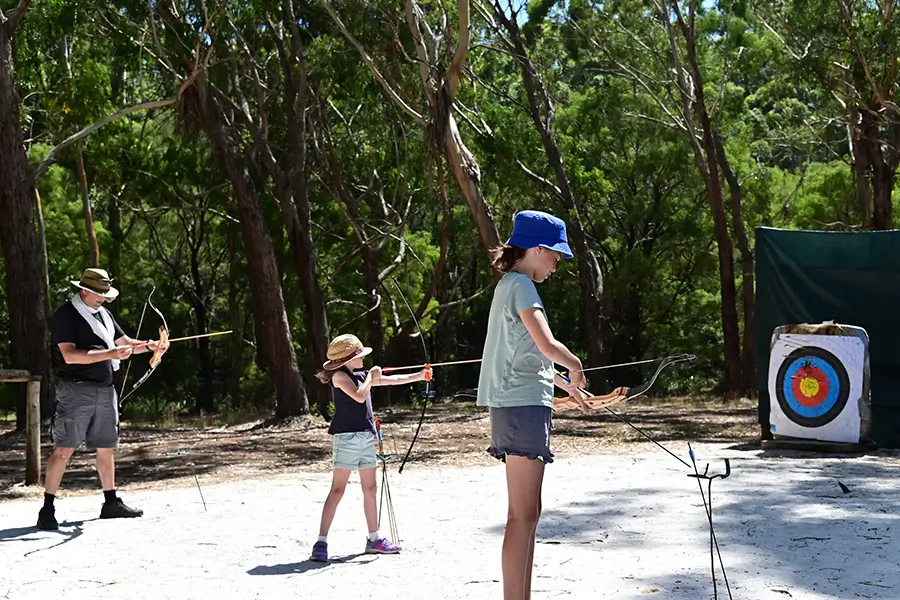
x,y
626,344
264,279
299,229
350,206
28,331
707,162
468,176
590,277
747,275
883,167
440,86
93,248
44,257
117,234
235,319
205,401
861,175
730,330
297,214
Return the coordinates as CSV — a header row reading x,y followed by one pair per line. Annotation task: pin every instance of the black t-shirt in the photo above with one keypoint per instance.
x,y
69,326
351,416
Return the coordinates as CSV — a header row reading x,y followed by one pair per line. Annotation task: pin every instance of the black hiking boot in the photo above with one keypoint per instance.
x,y
119,510
47,519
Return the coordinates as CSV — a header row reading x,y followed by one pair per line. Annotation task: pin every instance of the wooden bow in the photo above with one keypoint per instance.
x,y
156,359
161,347
594,402
620,394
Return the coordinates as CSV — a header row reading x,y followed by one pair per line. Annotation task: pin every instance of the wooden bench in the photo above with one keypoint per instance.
x,y
32,421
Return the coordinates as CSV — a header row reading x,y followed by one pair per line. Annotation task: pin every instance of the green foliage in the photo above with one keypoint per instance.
x,y
165,217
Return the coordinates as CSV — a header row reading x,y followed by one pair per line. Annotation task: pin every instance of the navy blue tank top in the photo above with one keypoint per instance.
x,y
351,416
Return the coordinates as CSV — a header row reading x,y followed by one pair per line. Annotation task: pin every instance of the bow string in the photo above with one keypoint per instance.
x,y
623,393
161,347
428,393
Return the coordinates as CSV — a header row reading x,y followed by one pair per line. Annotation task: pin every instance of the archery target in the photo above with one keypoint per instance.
x,y
816,383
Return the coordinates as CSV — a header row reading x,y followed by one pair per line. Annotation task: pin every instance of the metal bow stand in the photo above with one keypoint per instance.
x,y
713,543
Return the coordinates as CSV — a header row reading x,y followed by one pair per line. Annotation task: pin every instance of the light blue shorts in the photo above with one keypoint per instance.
x,y
353,450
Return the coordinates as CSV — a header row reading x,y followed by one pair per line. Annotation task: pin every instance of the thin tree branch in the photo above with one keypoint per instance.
x,y
541,180
462,48
414,23
15,18
861,57
781,39
395,97
51,157
453,303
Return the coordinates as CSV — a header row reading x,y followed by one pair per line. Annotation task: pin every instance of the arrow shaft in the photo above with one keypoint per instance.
x,y
440,364
189,337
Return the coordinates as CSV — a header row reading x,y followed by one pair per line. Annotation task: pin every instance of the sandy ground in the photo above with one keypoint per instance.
x,y
617,526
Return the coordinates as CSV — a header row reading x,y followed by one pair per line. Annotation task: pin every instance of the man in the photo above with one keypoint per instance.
x,y
88,345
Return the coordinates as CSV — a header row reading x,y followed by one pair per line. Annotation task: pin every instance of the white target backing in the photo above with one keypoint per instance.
x,y
818,383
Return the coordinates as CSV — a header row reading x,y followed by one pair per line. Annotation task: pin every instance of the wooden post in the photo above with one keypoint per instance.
x,y
33,434
32,421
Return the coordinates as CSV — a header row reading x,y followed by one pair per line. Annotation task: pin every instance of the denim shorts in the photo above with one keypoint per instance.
x,y
353,450
85,413
521,431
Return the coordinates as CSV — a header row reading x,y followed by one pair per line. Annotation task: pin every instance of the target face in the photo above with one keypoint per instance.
x,y
812,386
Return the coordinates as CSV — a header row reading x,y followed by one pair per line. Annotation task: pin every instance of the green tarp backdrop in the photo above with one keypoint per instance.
x,y
851,278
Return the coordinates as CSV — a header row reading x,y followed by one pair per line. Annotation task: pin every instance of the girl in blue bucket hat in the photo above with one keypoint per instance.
x,y
517,379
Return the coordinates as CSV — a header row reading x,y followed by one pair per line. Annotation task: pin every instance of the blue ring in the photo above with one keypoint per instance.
x,y
834,386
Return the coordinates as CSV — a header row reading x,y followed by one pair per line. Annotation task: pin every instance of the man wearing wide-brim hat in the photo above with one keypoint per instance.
x,y
87,347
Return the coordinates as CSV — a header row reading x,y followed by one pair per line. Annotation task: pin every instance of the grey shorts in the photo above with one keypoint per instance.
x,y
353,451
521,431
85,412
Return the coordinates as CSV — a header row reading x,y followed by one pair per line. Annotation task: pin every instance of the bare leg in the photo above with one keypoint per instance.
x,y
370,497
530,562
338,485
56,466
106,468
523,483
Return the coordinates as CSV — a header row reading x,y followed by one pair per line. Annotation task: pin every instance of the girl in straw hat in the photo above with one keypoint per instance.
x,y
353,431
516,382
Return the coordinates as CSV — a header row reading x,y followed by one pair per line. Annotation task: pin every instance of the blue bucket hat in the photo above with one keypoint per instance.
x,y
535,228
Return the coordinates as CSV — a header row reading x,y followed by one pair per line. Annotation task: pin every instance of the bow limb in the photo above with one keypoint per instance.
x,y
621,394
163,342
137,336
669,360
427,393
155,360
593,402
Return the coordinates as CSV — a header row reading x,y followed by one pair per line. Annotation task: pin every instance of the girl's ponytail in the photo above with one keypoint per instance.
x,y
324,375
504,258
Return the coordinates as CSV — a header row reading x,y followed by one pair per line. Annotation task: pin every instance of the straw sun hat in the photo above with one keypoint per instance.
x,y
97,281
342,350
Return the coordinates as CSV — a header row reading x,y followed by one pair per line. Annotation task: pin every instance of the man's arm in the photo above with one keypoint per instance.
x,y
148,346
74,356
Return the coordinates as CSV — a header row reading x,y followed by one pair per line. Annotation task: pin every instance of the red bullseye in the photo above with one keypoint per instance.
x,y
810,386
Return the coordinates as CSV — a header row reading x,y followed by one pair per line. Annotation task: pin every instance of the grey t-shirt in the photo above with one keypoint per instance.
x,y
513,371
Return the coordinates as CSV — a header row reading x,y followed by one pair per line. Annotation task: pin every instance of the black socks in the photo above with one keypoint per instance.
x,y
108,496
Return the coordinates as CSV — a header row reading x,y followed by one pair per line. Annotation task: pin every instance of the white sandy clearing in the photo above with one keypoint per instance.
x,y
614,526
